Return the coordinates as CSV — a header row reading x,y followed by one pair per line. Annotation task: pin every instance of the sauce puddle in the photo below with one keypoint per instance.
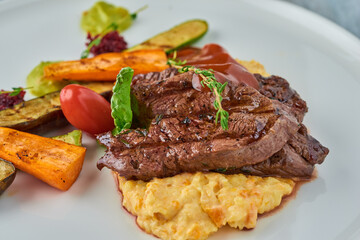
x,y
225,68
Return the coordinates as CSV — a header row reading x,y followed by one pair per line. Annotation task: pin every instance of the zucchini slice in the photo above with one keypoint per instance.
x,y
43,113
7,174
179,36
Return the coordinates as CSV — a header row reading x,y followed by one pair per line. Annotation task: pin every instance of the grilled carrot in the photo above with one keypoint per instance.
x,y
55,162
106,66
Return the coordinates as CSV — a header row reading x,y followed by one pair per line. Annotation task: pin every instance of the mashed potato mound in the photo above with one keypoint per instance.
x,y
192,206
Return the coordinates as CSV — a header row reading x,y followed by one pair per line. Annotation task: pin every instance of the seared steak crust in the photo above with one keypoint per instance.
x,y
275,87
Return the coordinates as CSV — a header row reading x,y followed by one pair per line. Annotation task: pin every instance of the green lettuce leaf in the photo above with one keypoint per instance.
x,y
102,14
121,101
38,85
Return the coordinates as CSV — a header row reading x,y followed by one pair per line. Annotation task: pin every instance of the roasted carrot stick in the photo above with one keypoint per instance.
x,y
105,67
55,162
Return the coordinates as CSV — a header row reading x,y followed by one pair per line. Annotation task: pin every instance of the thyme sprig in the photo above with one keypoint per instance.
x,y
208,80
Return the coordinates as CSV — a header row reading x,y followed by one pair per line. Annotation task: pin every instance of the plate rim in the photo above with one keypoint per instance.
x,y
319,22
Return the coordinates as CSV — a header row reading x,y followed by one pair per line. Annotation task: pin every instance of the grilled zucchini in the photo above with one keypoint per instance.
x,y
7,174
179,36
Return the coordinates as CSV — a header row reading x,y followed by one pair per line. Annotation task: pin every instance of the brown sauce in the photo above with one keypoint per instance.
x,y
226,69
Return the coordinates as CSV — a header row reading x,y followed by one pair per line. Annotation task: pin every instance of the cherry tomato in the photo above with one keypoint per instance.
x,y
85,109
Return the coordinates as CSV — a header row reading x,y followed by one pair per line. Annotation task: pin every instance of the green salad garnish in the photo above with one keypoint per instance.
x,y
38,85
102,14
121,101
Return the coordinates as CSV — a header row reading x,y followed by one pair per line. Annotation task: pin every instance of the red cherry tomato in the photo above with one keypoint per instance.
x,y
85,109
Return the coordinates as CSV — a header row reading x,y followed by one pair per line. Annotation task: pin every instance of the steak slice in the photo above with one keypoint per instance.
x,y
286,163
295,160
258,128
168,95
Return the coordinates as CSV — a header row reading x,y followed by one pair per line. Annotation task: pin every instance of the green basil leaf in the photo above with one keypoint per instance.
x,y
121,101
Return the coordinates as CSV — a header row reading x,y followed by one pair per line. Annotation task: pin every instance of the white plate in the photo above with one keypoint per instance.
x,y
320,60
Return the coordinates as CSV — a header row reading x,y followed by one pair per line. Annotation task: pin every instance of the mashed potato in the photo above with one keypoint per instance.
x,y
192,206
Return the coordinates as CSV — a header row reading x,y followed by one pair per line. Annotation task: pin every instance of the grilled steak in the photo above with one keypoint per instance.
x,y
264,136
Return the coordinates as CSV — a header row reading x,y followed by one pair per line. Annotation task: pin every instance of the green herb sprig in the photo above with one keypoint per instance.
x,y
208,80
14,92
134,14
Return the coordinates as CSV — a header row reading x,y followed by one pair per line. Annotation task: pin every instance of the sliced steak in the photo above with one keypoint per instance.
x,y
265,136
258,128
